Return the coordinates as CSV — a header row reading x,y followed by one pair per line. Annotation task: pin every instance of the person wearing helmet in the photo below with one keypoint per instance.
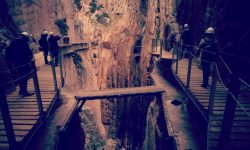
x,y
54,47
46,32
20,55
187,40
32,39
44,46
208,46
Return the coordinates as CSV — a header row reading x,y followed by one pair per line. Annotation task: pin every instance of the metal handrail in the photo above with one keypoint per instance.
x,y
244,82
224,63
178,45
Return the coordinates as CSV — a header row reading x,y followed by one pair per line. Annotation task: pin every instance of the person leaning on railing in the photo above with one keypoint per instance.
x,y
209,49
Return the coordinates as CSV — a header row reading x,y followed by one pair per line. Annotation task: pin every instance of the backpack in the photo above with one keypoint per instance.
x,y
10,51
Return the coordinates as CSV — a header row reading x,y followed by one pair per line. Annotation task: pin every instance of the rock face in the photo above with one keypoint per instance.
x,y
37,16
118,63
120,34
113,28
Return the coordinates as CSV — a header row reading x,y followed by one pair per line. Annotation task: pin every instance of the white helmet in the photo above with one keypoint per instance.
x,y
26,34
186,26
210,30
45,32
51,33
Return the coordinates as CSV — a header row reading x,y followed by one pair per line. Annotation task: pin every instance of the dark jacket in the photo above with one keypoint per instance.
x,y
187,37
20,54
43,42
209,49
53,45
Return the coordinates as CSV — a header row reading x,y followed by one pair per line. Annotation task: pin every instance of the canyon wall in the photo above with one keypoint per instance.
x,y
120,34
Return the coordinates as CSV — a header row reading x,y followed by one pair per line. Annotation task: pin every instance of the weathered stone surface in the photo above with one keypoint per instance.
x,y
113,144
107,45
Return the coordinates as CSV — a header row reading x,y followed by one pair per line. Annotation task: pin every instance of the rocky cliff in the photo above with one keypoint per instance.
x,y
120,34
114,29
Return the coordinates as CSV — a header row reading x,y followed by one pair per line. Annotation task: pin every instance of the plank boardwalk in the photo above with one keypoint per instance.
x,y
117,92
240,135
24,111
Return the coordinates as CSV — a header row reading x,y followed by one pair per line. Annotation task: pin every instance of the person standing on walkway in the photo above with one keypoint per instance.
x,y
21,56
187,41
54,47
44,46
209,50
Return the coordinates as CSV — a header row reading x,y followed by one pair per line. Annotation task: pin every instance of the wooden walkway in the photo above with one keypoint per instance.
x,y
239,138
118,92
24,111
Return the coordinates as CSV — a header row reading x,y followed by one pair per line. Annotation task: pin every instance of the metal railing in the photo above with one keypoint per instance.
x,y
228,94
8,125
4,104
67,50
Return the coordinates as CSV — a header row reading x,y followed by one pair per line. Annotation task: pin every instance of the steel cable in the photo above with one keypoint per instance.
x,y
13,81
226,89
15,68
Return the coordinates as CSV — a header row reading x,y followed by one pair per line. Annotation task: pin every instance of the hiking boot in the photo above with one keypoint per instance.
x,y
24,94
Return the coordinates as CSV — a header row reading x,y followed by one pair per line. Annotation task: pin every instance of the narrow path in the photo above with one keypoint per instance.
x,y
180,123
24,112
239,132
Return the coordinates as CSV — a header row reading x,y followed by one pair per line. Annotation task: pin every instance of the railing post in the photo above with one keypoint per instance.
x,y
189,69
7,120
161,138
52,62
61,68
212,91
212,97
161,42
156,45
36,86
177,61
229,112
173,51
152,46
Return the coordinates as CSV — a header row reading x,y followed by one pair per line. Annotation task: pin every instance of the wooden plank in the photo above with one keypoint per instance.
x,y
118,92
26,103
21,122
3,139
31,117
17,133
24,111
4,146
19,127
241,124
234,136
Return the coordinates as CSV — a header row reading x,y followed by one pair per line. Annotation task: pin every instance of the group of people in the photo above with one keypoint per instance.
x,y
207,49
20,56
49,44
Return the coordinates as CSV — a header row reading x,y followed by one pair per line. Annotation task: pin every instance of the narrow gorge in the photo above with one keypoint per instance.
x,y
122,35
